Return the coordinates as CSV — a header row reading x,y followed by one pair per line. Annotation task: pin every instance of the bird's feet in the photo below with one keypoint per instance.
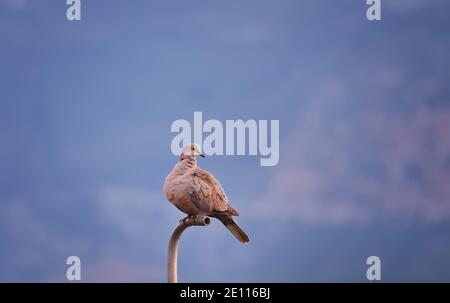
x,y
192,218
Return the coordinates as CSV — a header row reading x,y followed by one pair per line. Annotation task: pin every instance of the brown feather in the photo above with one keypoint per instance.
x,y
234,228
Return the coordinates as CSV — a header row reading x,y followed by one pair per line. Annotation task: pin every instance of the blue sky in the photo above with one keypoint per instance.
x,y
85,115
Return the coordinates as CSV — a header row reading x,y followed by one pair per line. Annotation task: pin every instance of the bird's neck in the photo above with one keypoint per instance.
x,y
188,161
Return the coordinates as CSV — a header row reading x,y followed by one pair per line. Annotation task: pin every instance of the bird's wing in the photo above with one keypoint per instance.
x,y
207,194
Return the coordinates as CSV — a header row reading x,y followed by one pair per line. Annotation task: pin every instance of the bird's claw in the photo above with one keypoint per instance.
x,y
184,219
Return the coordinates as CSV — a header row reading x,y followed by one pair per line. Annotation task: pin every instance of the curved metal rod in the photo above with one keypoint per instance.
x,y
172,256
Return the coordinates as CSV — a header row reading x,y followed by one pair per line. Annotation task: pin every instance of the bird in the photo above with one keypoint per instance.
x,y
197,192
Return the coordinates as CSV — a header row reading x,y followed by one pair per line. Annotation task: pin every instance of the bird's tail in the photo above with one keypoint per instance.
x,y
234,228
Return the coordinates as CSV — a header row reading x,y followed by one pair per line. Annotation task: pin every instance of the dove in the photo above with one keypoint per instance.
x,y
196,192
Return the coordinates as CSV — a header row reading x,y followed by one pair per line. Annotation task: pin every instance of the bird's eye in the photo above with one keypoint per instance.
x,y
192,148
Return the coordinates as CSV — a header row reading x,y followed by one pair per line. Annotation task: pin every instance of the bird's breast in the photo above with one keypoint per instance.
x,y
176,188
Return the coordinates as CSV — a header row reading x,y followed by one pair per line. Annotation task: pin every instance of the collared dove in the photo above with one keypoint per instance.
x,y
195,192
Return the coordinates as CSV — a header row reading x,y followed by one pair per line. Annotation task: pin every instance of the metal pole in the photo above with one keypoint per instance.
x,y
172,256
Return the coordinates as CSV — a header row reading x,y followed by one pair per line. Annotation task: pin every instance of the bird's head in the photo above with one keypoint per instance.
x,y
192,150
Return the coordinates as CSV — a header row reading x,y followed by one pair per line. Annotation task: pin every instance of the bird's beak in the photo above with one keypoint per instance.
x,y
202,155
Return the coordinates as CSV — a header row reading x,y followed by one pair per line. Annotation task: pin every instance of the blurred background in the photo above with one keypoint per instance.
x,y
364,109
